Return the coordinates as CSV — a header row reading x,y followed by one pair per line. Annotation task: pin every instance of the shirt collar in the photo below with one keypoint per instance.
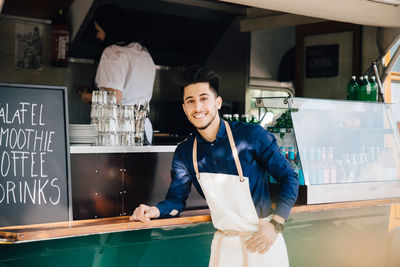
x,y
221,134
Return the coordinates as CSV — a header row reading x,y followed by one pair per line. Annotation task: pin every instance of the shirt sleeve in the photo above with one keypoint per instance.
x,y
277,165
112,70
179,189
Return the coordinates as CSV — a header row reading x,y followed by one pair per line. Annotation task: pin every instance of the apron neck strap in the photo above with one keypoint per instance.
x,y
194,151
234,153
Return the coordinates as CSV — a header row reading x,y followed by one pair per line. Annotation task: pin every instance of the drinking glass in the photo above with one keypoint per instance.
x,y
111,126
112,112
111,98
139,127
139,139
127,139
100,140
95,97
110,139
94,111
125,127
94,121
102,96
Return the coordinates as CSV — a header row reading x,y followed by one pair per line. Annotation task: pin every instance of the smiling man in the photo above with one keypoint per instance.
x,y
201,106
227,162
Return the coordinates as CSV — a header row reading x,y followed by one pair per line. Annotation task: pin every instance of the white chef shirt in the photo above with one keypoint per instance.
x,y
129,69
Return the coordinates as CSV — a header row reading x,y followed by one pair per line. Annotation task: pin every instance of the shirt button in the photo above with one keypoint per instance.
x,y
215,163
212,144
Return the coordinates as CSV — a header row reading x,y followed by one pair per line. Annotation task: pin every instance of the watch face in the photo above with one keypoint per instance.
x,y
278,226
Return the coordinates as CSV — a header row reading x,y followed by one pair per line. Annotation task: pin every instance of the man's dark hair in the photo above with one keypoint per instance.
x,y
197,74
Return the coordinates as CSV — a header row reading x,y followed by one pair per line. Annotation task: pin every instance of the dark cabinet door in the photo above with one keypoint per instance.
x,y
147,179
111,185
96,185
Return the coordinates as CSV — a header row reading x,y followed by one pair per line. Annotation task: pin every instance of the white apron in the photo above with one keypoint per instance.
x,y
234,216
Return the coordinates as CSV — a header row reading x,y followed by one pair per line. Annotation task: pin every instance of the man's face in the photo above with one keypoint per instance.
x,y
201,105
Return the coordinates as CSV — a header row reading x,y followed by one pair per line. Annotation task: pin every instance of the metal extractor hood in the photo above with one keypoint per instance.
x,y
175,32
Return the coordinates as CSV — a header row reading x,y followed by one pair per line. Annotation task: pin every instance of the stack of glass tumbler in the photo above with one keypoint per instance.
x,y
118,125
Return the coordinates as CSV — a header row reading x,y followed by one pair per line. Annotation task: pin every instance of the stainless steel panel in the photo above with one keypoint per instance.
x,y
120,149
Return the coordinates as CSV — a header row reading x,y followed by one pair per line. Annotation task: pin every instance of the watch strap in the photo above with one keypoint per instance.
x,y
279,227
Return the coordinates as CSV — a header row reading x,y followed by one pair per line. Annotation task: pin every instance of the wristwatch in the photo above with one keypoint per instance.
x,y
278,226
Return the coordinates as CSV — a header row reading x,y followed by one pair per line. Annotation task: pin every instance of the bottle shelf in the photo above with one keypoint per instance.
x,y
274,129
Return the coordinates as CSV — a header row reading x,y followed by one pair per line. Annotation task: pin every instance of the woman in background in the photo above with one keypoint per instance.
x,y
125,67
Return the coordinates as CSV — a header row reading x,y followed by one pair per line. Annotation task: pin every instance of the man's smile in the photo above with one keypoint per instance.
x,y
200,115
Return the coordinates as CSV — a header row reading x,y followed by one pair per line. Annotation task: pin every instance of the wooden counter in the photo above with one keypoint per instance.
x,y
36,232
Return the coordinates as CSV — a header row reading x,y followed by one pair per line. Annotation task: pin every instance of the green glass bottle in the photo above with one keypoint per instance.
x,y
367,95
235,117
254,119
361,89
245,118
352,87
374,90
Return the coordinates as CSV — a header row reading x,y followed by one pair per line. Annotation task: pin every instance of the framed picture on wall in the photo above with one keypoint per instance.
x,y
322,61
327,55
28,46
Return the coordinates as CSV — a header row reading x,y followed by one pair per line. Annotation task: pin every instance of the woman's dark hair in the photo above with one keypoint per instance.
x,y
196,74
115,22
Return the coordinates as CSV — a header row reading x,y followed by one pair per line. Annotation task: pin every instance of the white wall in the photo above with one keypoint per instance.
x,y
267,50
269,46
330,87
369,47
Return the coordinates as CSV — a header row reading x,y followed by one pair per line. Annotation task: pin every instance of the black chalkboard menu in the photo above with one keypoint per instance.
x,y
34,155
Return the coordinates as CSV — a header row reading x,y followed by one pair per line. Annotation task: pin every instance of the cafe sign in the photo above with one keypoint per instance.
x,y
34,159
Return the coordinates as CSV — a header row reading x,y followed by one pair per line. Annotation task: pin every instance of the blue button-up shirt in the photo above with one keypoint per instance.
x,y
258,153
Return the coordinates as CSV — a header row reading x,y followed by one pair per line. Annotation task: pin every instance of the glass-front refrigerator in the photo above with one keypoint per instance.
x,y
341,150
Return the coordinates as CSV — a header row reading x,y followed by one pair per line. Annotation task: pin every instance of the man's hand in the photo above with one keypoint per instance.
x,y
262,241
144,213
86,97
